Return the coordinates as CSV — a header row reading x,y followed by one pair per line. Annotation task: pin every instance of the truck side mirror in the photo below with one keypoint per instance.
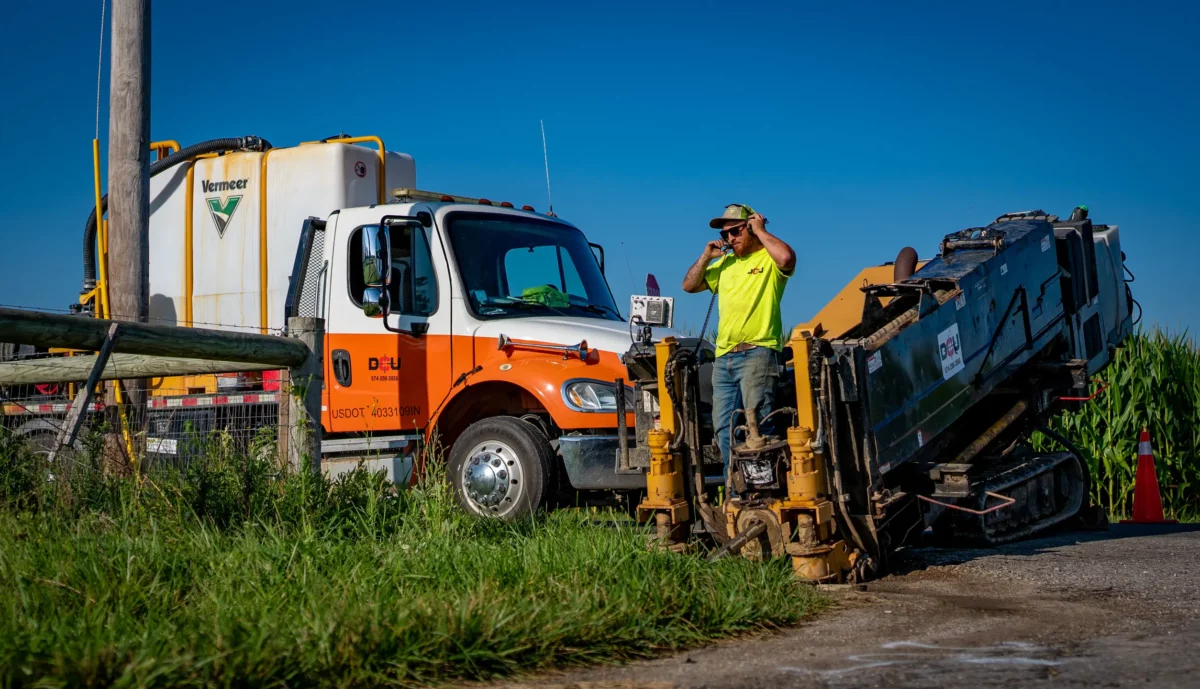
x,y
377,270
599,253
377,263
375,302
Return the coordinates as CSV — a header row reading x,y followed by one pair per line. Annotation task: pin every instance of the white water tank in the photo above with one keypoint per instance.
x,y
226,213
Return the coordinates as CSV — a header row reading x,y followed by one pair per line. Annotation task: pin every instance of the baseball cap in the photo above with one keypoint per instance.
x,y
734,211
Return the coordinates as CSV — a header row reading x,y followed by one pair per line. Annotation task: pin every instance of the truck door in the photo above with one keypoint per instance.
x,y
378,378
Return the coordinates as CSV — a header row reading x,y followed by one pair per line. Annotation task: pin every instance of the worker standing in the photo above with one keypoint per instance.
x,y
748,282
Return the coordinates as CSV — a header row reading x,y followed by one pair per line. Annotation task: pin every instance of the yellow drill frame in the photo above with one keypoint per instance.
x,y
804,520
807,485
807,512
665,500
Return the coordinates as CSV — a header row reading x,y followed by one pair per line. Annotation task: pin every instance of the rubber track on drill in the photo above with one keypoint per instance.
x,y
1024,480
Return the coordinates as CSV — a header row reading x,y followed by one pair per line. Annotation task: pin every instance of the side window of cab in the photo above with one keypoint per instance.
x,y
413,288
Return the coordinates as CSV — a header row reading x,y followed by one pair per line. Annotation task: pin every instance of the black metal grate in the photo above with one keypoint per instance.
x,y
307,301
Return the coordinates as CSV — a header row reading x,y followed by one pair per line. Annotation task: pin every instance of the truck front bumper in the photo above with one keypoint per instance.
x,y
591,463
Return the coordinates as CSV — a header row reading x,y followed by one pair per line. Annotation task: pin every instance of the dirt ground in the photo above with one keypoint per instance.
x,y
1113,609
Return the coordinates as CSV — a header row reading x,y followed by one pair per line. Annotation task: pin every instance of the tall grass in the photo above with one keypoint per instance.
x,y
1154,381
229,573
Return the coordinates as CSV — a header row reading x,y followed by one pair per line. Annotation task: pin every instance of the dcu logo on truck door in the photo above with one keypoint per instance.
x,y
222,210
388,369
383,363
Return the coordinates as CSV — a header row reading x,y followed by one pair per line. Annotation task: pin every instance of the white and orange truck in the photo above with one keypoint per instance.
x,y
496,334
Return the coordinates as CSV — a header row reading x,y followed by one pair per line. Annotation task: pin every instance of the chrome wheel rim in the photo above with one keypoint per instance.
x,y
491,480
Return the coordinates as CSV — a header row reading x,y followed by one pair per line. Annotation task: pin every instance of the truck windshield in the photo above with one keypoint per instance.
x,y
514,266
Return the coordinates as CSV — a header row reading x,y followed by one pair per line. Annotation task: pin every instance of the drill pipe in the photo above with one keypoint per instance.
x,y
991,433
739,541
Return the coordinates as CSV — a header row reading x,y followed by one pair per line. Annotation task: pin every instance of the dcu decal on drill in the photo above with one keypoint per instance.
x,y
950,351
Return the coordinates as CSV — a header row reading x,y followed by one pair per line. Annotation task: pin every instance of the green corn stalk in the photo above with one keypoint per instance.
x,y
1154,382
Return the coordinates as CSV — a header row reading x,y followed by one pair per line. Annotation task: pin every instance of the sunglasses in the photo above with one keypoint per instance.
x,y
733,231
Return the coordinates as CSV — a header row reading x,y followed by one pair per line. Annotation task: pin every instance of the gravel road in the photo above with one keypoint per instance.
x,y
1114,609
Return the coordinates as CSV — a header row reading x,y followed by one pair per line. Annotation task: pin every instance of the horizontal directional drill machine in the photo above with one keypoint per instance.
x,y
916,393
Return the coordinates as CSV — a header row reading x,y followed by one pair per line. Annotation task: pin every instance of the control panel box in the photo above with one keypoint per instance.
x,y
657,312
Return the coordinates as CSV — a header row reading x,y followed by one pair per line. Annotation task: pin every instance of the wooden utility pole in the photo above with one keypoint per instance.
x,y
300,429
129,171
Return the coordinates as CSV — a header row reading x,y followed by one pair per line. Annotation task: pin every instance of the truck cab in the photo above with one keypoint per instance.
x,y
485,331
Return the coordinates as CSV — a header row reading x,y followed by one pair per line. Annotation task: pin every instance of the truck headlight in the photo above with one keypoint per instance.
x,y
594,396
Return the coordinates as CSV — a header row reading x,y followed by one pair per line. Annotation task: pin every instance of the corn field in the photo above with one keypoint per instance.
x,y
1154,381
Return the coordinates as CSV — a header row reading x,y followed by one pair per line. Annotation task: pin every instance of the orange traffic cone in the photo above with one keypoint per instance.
x,y
1147,501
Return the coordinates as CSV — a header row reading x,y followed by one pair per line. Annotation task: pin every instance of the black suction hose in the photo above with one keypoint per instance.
x,y
241,143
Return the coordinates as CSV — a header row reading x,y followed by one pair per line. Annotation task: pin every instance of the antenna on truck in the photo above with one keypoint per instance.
x,y
546,158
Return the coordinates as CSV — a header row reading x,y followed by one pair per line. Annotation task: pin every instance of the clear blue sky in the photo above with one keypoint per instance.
x,y
855,131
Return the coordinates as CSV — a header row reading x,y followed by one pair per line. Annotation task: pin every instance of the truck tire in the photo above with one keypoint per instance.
x,y
41,435
501,468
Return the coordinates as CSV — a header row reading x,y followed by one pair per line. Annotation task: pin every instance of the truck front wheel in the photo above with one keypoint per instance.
x,y
501,467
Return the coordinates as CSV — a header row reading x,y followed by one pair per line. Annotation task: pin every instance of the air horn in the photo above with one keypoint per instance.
x,y
580,350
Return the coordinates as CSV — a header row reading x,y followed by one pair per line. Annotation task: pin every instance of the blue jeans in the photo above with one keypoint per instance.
x,y
744,380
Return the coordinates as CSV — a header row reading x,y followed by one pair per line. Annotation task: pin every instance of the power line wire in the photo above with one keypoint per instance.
x,y
100,63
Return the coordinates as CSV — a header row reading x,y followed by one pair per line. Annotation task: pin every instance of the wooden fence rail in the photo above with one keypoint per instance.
x,y
140,350
79,332
74,369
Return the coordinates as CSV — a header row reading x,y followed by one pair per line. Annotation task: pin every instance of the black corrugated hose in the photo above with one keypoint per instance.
x,y
241,143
